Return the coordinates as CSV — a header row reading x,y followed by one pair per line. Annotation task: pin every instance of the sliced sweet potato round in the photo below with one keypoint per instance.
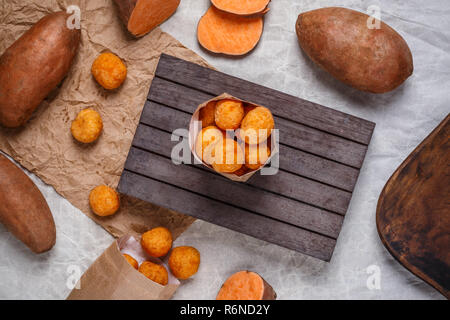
x,y
246,285
241,7
226,33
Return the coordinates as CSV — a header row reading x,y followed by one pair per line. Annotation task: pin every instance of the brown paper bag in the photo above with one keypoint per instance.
x,y
194,130
111,277
45,145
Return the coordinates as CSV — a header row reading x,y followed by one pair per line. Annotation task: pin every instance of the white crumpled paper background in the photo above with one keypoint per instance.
x,y
404,118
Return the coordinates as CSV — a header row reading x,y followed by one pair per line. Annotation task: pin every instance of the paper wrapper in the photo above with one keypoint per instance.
x,y
111,277
195,130
45,145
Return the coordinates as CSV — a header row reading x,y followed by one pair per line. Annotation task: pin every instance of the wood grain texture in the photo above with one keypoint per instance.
x,y
413,213
302,207
228,216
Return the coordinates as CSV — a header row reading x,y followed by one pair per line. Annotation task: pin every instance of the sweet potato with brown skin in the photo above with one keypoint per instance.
x,y
340,41
142,16
33,66
23,209
246,285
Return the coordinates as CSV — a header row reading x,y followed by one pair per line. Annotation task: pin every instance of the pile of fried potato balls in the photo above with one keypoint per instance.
x,y
234,136
183,261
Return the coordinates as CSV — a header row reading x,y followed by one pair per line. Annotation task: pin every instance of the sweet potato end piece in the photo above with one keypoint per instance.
x,y
142,16
226,33
246,285
242,7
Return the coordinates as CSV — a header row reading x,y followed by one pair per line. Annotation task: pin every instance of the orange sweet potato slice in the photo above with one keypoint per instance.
x,y
241,7
246,285
222,32
142,16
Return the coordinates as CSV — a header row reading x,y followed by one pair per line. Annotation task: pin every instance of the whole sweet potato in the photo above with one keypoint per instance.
x,y
23,209
340,41
33,66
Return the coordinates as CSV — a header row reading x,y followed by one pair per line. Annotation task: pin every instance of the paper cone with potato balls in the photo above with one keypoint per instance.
x,y
231,116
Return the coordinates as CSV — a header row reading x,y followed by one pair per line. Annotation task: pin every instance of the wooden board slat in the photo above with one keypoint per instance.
x,y
282,104
228,216
302,207
296,135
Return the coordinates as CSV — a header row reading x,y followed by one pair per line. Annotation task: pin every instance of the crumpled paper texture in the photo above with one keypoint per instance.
x,y
45,145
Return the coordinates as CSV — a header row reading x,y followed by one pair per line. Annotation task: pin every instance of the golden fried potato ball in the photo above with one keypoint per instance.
x,y
157,242
208,136
131,261
104,201
207,115
257,125
87,126
184,262
109,71
227,157
256,155
229,114
154,272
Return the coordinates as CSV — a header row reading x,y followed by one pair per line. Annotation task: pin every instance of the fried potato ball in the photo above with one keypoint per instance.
x,y
87,126
157,242
104,201
256,155
227,157
109,71
208,136
257,125
131,261
229,114
207,115
154,272
184,262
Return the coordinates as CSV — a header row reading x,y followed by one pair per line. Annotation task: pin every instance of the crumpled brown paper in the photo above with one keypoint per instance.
x,y
45,145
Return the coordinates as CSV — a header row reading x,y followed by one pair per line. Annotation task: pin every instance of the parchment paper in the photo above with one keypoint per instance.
x,y
45,145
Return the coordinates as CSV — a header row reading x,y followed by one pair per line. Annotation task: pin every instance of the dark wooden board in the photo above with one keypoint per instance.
x,y
302,207
413,213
